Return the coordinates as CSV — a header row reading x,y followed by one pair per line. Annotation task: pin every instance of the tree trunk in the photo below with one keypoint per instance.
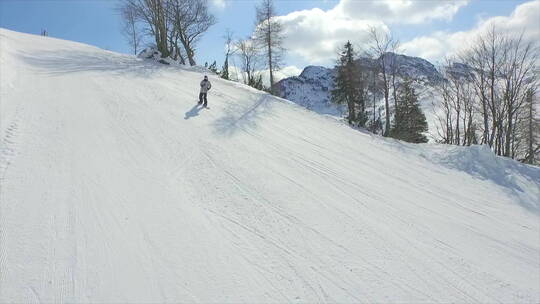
x,y
485,117
191,57
394,93
530,131
270,67
509,131
386,97
352,112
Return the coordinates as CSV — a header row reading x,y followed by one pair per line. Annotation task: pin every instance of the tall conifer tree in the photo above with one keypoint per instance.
x,y
412,121
348,82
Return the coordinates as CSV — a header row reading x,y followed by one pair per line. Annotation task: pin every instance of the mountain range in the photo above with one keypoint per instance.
x,y
312,88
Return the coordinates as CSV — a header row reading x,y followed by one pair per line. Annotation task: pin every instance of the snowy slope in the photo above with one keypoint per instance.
x,y
115,188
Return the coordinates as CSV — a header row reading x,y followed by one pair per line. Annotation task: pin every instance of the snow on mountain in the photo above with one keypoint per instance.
x,y
312,88
459,70
416,68
116,187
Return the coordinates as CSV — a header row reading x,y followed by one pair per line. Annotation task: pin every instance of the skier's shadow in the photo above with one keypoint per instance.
x,y
193,112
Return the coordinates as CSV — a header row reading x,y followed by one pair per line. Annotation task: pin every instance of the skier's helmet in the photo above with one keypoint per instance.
x,y
205,77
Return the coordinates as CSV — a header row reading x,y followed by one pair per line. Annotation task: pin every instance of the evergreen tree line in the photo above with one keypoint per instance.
x,y
361,87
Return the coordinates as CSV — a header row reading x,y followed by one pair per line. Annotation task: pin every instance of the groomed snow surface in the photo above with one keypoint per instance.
x,y
116,188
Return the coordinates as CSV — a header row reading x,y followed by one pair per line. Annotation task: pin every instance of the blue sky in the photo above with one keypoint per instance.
x,y
97,22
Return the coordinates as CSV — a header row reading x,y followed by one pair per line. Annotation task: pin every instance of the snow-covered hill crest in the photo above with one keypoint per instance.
x,y
116,187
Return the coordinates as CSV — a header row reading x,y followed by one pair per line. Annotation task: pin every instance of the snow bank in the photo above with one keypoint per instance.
x,y
479,161
152,53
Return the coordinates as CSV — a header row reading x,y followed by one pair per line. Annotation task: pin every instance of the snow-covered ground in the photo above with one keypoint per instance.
x,y
116,188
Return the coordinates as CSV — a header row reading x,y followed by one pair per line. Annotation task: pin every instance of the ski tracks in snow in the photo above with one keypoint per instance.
x,y
254,200
8,148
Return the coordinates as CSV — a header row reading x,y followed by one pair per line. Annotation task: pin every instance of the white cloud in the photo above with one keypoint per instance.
x,y
524,19
287,71
401,11
220,4
433,48
315,34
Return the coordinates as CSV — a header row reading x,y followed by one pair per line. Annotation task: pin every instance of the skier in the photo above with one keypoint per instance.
x,y
205,87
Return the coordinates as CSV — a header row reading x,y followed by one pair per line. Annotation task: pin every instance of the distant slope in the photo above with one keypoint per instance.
x,y
115,187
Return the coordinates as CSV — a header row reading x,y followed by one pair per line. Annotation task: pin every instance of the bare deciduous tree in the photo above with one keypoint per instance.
x,y
229,50
269,35
130,30
172,21
191,19
152,14
518,77
382,45
176,49
493,98
249,56
530,130
456,115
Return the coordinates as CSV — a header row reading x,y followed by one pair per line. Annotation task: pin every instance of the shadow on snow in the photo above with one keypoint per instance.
x,y
238,116
193,111
73,61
